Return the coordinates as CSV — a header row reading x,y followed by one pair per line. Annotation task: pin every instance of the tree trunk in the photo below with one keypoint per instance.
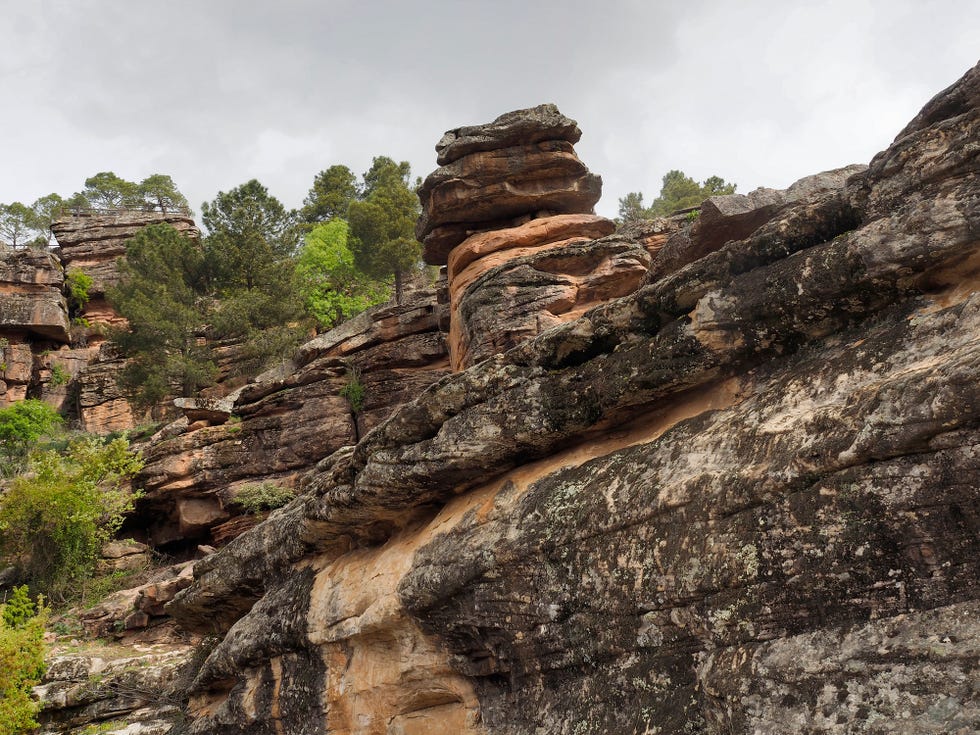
x,y
398,287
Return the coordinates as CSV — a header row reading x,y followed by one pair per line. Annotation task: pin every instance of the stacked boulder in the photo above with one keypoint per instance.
x,y
510,212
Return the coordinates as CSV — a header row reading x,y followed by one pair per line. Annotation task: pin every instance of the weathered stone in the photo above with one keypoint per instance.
x,y
137,693
520,127
527,294
736,216
288,419
741,499
30,294
213,411
499,175
506,184
93,241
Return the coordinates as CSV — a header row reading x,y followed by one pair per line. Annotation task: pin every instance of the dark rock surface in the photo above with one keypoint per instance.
x,y
742,499
281,425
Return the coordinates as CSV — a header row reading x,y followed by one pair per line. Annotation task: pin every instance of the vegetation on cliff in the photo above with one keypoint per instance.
x,y
56,516
679,191
21,660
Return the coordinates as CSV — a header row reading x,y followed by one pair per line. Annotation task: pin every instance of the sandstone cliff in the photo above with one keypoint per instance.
x,y
718,477
740,499
63,361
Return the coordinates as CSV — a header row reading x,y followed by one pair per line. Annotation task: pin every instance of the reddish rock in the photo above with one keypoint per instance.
x,y
31,301
93,241
520,166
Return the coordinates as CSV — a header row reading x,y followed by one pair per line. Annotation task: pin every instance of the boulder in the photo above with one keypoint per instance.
x,y
520,166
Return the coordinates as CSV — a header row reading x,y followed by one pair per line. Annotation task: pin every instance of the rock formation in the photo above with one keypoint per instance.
x,y
510,212
738,495
741,499
68,362
285,421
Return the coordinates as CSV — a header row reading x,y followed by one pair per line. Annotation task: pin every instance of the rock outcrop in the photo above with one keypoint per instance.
x,y
289,418
93,241
742,499
510,213
46,355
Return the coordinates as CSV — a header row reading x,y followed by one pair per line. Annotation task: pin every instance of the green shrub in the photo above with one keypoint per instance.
x,y
59,376
21,661
21,426
353,390
55,518
263,496
78,283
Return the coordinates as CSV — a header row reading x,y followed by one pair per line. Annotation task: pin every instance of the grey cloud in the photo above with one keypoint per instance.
x,y
217,92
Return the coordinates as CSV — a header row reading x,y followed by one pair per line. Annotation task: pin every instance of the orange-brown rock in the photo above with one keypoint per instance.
x,y
519,166
31,301
288,419
94,240
520,315
741,499
508,210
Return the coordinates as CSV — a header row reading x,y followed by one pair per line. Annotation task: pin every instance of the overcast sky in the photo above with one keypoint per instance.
x,y
216,92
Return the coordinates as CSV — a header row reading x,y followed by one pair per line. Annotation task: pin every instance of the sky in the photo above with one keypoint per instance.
x,y
218,92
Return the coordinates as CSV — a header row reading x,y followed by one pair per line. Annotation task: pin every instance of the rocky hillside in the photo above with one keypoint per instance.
x,y
67,362
710,477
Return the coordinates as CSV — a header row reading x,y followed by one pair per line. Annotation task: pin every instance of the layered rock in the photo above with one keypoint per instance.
x,y
46,355
742,499
730,217
288,419
30,287
494,175
33,317
93,241
510,212
115,691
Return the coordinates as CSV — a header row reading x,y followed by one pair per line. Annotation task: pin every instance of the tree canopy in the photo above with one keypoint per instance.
x,y
160,295
106,190
332,286
678,191
382,222
249,231
333,191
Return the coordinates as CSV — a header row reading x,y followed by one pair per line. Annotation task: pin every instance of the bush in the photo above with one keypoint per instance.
x,y
21,425
59,376
78,283
264,496
55,518
21,661
353,390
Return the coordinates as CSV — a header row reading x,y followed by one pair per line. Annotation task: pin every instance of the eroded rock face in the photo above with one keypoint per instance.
x,y
510,212
94,241
494,175
722,219
290,418
742,499
30,293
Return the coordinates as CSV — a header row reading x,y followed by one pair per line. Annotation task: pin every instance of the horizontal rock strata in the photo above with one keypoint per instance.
x,y
509,211
94,241
493,175
742,499
288,419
